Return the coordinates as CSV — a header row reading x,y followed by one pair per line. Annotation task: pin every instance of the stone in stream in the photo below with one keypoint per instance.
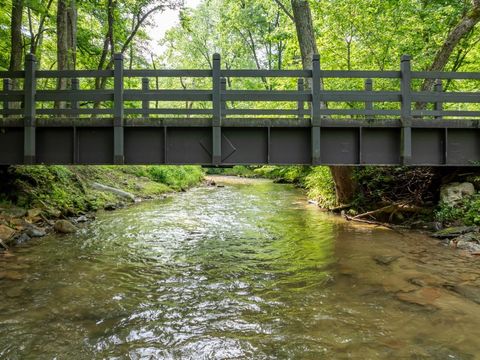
x,y
110,207
64,227
453,232
21,239
34,231
6,233
468,241
33,213
385,260
81,219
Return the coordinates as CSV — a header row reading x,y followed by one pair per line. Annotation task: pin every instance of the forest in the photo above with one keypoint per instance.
x,y
263,34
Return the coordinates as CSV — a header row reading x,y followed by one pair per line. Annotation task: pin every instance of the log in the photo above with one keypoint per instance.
x,y
112,190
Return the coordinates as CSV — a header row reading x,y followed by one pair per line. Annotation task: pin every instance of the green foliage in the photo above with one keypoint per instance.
x,y
238,170
320,186
466,212
176,177
289,174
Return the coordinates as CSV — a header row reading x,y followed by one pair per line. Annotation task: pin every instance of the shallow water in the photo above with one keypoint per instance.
x,y
249,270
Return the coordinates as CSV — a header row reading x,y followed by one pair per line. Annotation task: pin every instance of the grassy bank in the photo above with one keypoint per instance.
x,y
68,189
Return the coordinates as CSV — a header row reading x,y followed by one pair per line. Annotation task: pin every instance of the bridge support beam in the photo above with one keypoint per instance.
x,y
217,111
118,112
406,111
29,153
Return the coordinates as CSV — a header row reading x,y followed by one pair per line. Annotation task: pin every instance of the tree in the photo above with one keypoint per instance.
x,y
16,41
345,185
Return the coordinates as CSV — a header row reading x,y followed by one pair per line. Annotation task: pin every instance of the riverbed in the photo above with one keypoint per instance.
x,y
247,270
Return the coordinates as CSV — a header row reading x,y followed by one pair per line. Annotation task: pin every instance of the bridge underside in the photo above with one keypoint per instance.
x,y
244,141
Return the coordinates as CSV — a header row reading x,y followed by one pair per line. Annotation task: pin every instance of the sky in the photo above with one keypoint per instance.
x,y
164,21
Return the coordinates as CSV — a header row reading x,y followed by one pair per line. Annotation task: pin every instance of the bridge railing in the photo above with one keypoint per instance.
x,y
78,101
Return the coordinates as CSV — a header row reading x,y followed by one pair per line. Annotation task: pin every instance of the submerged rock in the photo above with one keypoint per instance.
x,y
468,291
64,227
452,194
385,260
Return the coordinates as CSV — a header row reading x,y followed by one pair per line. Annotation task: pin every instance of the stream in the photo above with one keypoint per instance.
x,y
248,270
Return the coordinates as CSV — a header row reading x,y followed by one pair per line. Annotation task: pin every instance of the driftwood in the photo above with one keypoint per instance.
x,y
370,222
392,209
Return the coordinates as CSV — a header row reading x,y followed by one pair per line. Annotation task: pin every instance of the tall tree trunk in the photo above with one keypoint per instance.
x,y
345,185
16,49
66,41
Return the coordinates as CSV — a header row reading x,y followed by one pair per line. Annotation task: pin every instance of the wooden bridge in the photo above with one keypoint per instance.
x,y
119,125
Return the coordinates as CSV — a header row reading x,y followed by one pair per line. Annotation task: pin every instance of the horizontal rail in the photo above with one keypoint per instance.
x,y
168,73
266,73
74,95
45,74
168,95
457,97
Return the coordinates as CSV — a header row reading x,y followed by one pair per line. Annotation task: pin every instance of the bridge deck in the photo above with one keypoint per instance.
x,y
121,126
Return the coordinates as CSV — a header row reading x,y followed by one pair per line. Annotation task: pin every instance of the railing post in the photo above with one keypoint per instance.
x,y
118,156
217,112
29,110
406,111
145,103
75,84
438,106
316,107
300,104
368,103
7,86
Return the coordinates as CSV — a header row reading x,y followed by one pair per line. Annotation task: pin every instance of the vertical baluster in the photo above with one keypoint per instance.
x,y
75,87
217,112
29,110
300,104
368,103
315,110
7,86
118,113
145,103
438,106
406,111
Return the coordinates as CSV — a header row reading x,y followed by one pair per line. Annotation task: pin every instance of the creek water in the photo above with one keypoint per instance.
x,y
249,270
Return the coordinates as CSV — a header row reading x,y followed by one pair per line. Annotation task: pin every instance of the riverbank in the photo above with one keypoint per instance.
x,y
35,200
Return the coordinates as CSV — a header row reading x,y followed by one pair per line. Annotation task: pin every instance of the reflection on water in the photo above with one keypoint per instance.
x,y
245,271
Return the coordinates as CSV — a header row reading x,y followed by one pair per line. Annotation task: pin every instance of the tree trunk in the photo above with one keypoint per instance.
x,y
345,185
16,50
66,41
